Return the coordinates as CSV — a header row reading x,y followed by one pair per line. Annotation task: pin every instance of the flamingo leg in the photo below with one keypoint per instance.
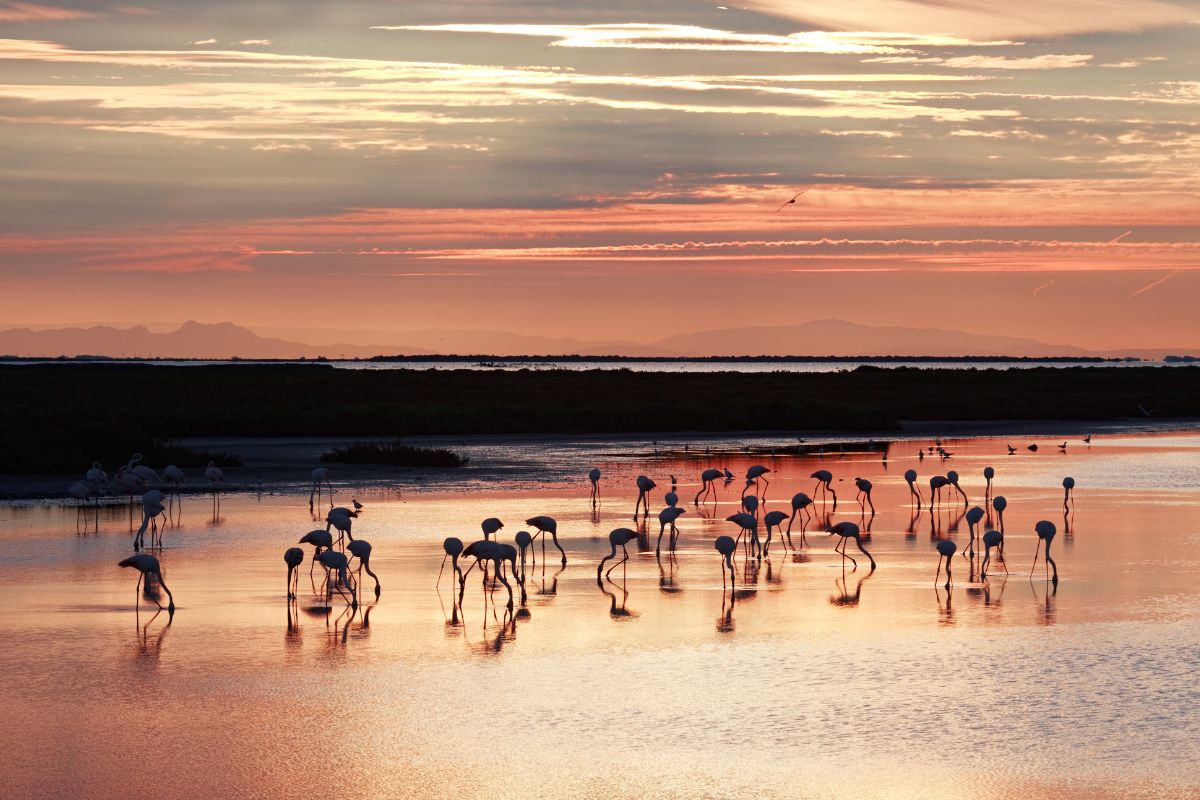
x,y
1035,555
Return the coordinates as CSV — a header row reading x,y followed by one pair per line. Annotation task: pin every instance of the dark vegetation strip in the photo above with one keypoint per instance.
x,y
63,416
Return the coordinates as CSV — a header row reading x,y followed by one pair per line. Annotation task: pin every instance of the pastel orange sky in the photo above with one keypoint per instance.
x,y
604,170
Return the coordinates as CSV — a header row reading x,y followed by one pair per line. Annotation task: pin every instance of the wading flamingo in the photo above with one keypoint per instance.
x,y
824,480
747,525
667,517
321,541
618,537
756,473
293,557
773,519
726,546
216,479
936,484
320,480
548,525
152,508
974,515
594,477
999,503
453,547
708,483
1045,532
147,566
491,527
361,549
337,563
988,474
864,491
945,548
1068,487
800,502
952,479
910,477
671,499
644,485
992,538
848,530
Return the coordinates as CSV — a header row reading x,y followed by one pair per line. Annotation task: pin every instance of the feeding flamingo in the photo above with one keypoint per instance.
x,y
618,537
824,480
757,473
773,519
992,538
644,485
667,517
800,502
491,527
726,546
548,525
864,490
974,515
910,476
293,557
148,566
1045,532
320,479
361,549
453,547
1068,487
848,530
708,480
594,477
945,548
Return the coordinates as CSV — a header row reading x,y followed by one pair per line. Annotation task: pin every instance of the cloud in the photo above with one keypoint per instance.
x,y
203,41
33,12
983,18
1153,284
642,36
254,42
1046,61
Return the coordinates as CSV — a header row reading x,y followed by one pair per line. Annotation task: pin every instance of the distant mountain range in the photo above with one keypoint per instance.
x,y
830,337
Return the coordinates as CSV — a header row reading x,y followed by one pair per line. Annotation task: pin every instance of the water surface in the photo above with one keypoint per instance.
x,y
810,679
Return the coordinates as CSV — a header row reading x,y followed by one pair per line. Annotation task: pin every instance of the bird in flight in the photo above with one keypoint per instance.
x,y
790,202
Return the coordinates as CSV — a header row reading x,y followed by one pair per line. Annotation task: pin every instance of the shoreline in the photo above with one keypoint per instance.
x,y
282,464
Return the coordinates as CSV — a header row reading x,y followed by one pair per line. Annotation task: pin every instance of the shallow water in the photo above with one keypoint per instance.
x,y
811,679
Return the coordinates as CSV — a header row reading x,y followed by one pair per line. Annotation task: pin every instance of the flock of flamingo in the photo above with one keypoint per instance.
x,y
343,557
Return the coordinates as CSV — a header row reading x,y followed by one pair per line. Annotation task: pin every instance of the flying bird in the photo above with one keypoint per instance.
x,y
790,202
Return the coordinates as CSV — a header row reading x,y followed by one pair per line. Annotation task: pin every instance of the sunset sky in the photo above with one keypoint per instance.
x,y
604,170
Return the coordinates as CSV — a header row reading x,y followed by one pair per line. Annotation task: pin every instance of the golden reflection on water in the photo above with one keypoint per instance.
x,y
810,678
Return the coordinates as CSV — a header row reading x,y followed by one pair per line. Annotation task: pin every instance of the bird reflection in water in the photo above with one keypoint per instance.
x,y
617,611
773,575
149,643
666,574
945,609
844,597
725,623
1047,614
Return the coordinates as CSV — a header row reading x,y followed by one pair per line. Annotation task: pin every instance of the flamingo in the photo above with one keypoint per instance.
x,y
773,519
1068,486
320,540
453,547
97,477
671,499
708,480
293,557
992,538
337,562
130,483
145,473
644,485
910,476
945,548
952,479
936,484
1045,532
848,530
216,478
748,525
491,527
547,525
726,546
594,477
524,542
148,565
152,507
484,550
988,474
82,490
361,549
864,490
973,516
343,520
800,502
667,517
756,473
320,476
824,480
618,537
999,503
750,504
